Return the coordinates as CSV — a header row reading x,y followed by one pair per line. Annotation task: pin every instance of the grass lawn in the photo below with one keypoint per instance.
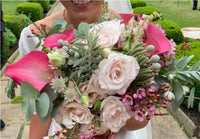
x,y
9,6
177,11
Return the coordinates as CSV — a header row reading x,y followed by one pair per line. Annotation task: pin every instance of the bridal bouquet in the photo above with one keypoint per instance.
x,y
94,78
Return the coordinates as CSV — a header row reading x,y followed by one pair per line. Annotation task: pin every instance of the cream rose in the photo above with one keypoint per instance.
x,y
71,113
117,72
114,113
109,33
93,96
94,86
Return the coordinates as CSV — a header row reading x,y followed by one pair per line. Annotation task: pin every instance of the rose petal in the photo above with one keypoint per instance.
x,y
33,68
153,36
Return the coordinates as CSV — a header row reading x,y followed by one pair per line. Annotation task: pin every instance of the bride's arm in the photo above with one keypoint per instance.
x,y
37,129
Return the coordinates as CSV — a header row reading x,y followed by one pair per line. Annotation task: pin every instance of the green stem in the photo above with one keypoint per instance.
x,y
193,97
77,89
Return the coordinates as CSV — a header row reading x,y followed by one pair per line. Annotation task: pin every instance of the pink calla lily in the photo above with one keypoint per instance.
x,y
125,18
33,68
51,41
153,36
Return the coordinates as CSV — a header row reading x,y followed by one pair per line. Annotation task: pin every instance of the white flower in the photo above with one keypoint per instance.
x,y
117,72
58,84
169,95
109,32
186,89
70,94
71,113
114,113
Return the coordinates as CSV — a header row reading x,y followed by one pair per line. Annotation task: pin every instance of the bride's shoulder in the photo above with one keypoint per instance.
x,y
47,21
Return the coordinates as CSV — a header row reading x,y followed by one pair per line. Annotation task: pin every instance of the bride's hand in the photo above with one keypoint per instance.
x,y
112,136
107,134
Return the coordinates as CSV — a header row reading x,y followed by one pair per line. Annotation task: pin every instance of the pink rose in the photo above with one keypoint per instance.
x,y
117,72
114,113
109,33
93,96
94,86
71,113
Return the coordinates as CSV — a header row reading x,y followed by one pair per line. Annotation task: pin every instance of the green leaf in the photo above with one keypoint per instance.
x,y
191,98
178,91
55,29
29,112
44,119
17,100
42,105
28,91
195,76
184,61
68,28
39,43
195,67
176,104
199,107
59,21
10,88
24,105
56,106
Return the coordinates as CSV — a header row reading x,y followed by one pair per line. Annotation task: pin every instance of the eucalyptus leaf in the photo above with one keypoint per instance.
x,y
42,105
44,119
68,28
29,112
59,21
50,92
17,100
24,105
55,29
191,98
28,91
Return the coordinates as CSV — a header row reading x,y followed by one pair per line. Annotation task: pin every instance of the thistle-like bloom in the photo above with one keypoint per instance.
x,y
70,94
59,84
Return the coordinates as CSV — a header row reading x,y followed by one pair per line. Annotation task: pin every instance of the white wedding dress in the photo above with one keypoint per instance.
x,y
28,44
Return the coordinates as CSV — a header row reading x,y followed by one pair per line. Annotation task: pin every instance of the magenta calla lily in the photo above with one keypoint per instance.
x,y
33,68
125,18
51,41
153,36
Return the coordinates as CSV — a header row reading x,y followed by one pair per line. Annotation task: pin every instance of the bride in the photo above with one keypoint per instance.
x,y
78,11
